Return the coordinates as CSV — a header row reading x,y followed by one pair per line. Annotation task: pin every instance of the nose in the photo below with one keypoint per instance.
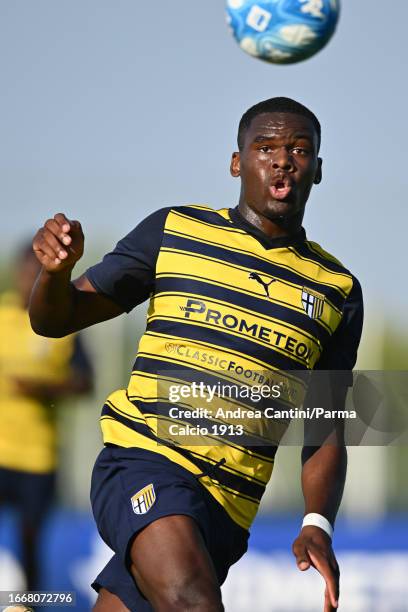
x,y
283,160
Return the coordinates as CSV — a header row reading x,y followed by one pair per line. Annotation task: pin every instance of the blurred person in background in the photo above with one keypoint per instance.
x,y
35,374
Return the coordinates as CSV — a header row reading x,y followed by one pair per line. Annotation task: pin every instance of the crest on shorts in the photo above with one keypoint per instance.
x,y
143,500
312,302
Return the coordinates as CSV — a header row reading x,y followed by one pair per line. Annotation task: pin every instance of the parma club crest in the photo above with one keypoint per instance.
x,y
143,500
312,302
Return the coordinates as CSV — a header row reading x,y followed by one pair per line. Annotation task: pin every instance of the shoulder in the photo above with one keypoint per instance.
x,y
158,218
201,213
322,256
196,210
146,233
326,261
318,254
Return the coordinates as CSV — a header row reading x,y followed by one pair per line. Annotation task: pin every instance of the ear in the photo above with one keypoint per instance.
x,y
318,175
235,167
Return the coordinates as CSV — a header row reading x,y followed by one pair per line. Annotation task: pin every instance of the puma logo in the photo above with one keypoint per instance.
x,y
255,276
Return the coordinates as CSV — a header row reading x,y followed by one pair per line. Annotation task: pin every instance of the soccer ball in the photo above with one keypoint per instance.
x,y
282,31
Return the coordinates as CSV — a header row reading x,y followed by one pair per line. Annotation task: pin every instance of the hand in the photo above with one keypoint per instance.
x,y
59,243
313,548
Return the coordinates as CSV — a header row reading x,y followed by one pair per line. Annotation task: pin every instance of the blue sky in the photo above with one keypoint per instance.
x,y
111,110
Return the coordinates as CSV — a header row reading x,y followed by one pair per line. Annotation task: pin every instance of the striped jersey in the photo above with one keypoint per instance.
x,y
228,304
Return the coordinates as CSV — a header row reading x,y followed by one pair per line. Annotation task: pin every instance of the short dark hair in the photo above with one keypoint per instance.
x,y
275,105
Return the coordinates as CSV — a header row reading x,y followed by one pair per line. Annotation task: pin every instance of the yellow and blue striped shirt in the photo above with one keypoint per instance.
x,y
227,303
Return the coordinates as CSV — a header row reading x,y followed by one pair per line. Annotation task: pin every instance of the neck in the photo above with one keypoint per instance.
x,y
274,228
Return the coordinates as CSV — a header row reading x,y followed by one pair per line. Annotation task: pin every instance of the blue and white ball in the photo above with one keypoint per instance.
x,y
282,31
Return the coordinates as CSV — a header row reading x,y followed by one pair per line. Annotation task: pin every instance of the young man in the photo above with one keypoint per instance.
x,y
234,290
35,373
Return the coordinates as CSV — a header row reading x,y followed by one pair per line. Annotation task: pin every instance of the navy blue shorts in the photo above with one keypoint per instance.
x,y
124,502
29,493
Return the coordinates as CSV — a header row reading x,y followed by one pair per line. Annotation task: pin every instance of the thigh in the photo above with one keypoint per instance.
x,y
130,490
171,564
153,514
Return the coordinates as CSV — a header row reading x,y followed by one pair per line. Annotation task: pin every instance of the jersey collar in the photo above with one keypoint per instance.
x,y
266,241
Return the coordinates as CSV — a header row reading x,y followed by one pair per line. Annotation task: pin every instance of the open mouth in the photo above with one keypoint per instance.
x,y
280,189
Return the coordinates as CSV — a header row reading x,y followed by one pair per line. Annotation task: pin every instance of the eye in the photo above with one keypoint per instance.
x,y
265,148
300,151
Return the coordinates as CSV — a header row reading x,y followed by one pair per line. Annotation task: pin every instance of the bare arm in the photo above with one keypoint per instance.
x,y
59,307
323,478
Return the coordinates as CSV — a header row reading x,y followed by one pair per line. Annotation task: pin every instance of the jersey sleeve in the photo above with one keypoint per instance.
x,y
341,352
126,275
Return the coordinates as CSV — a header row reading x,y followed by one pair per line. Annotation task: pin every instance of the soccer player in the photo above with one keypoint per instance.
x,y
35,373
231,291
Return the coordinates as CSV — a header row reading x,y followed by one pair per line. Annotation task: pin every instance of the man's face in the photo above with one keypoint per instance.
x,y
278,164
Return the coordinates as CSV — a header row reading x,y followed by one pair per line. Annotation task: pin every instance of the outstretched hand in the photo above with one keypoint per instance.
x,y
312,548
59,243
